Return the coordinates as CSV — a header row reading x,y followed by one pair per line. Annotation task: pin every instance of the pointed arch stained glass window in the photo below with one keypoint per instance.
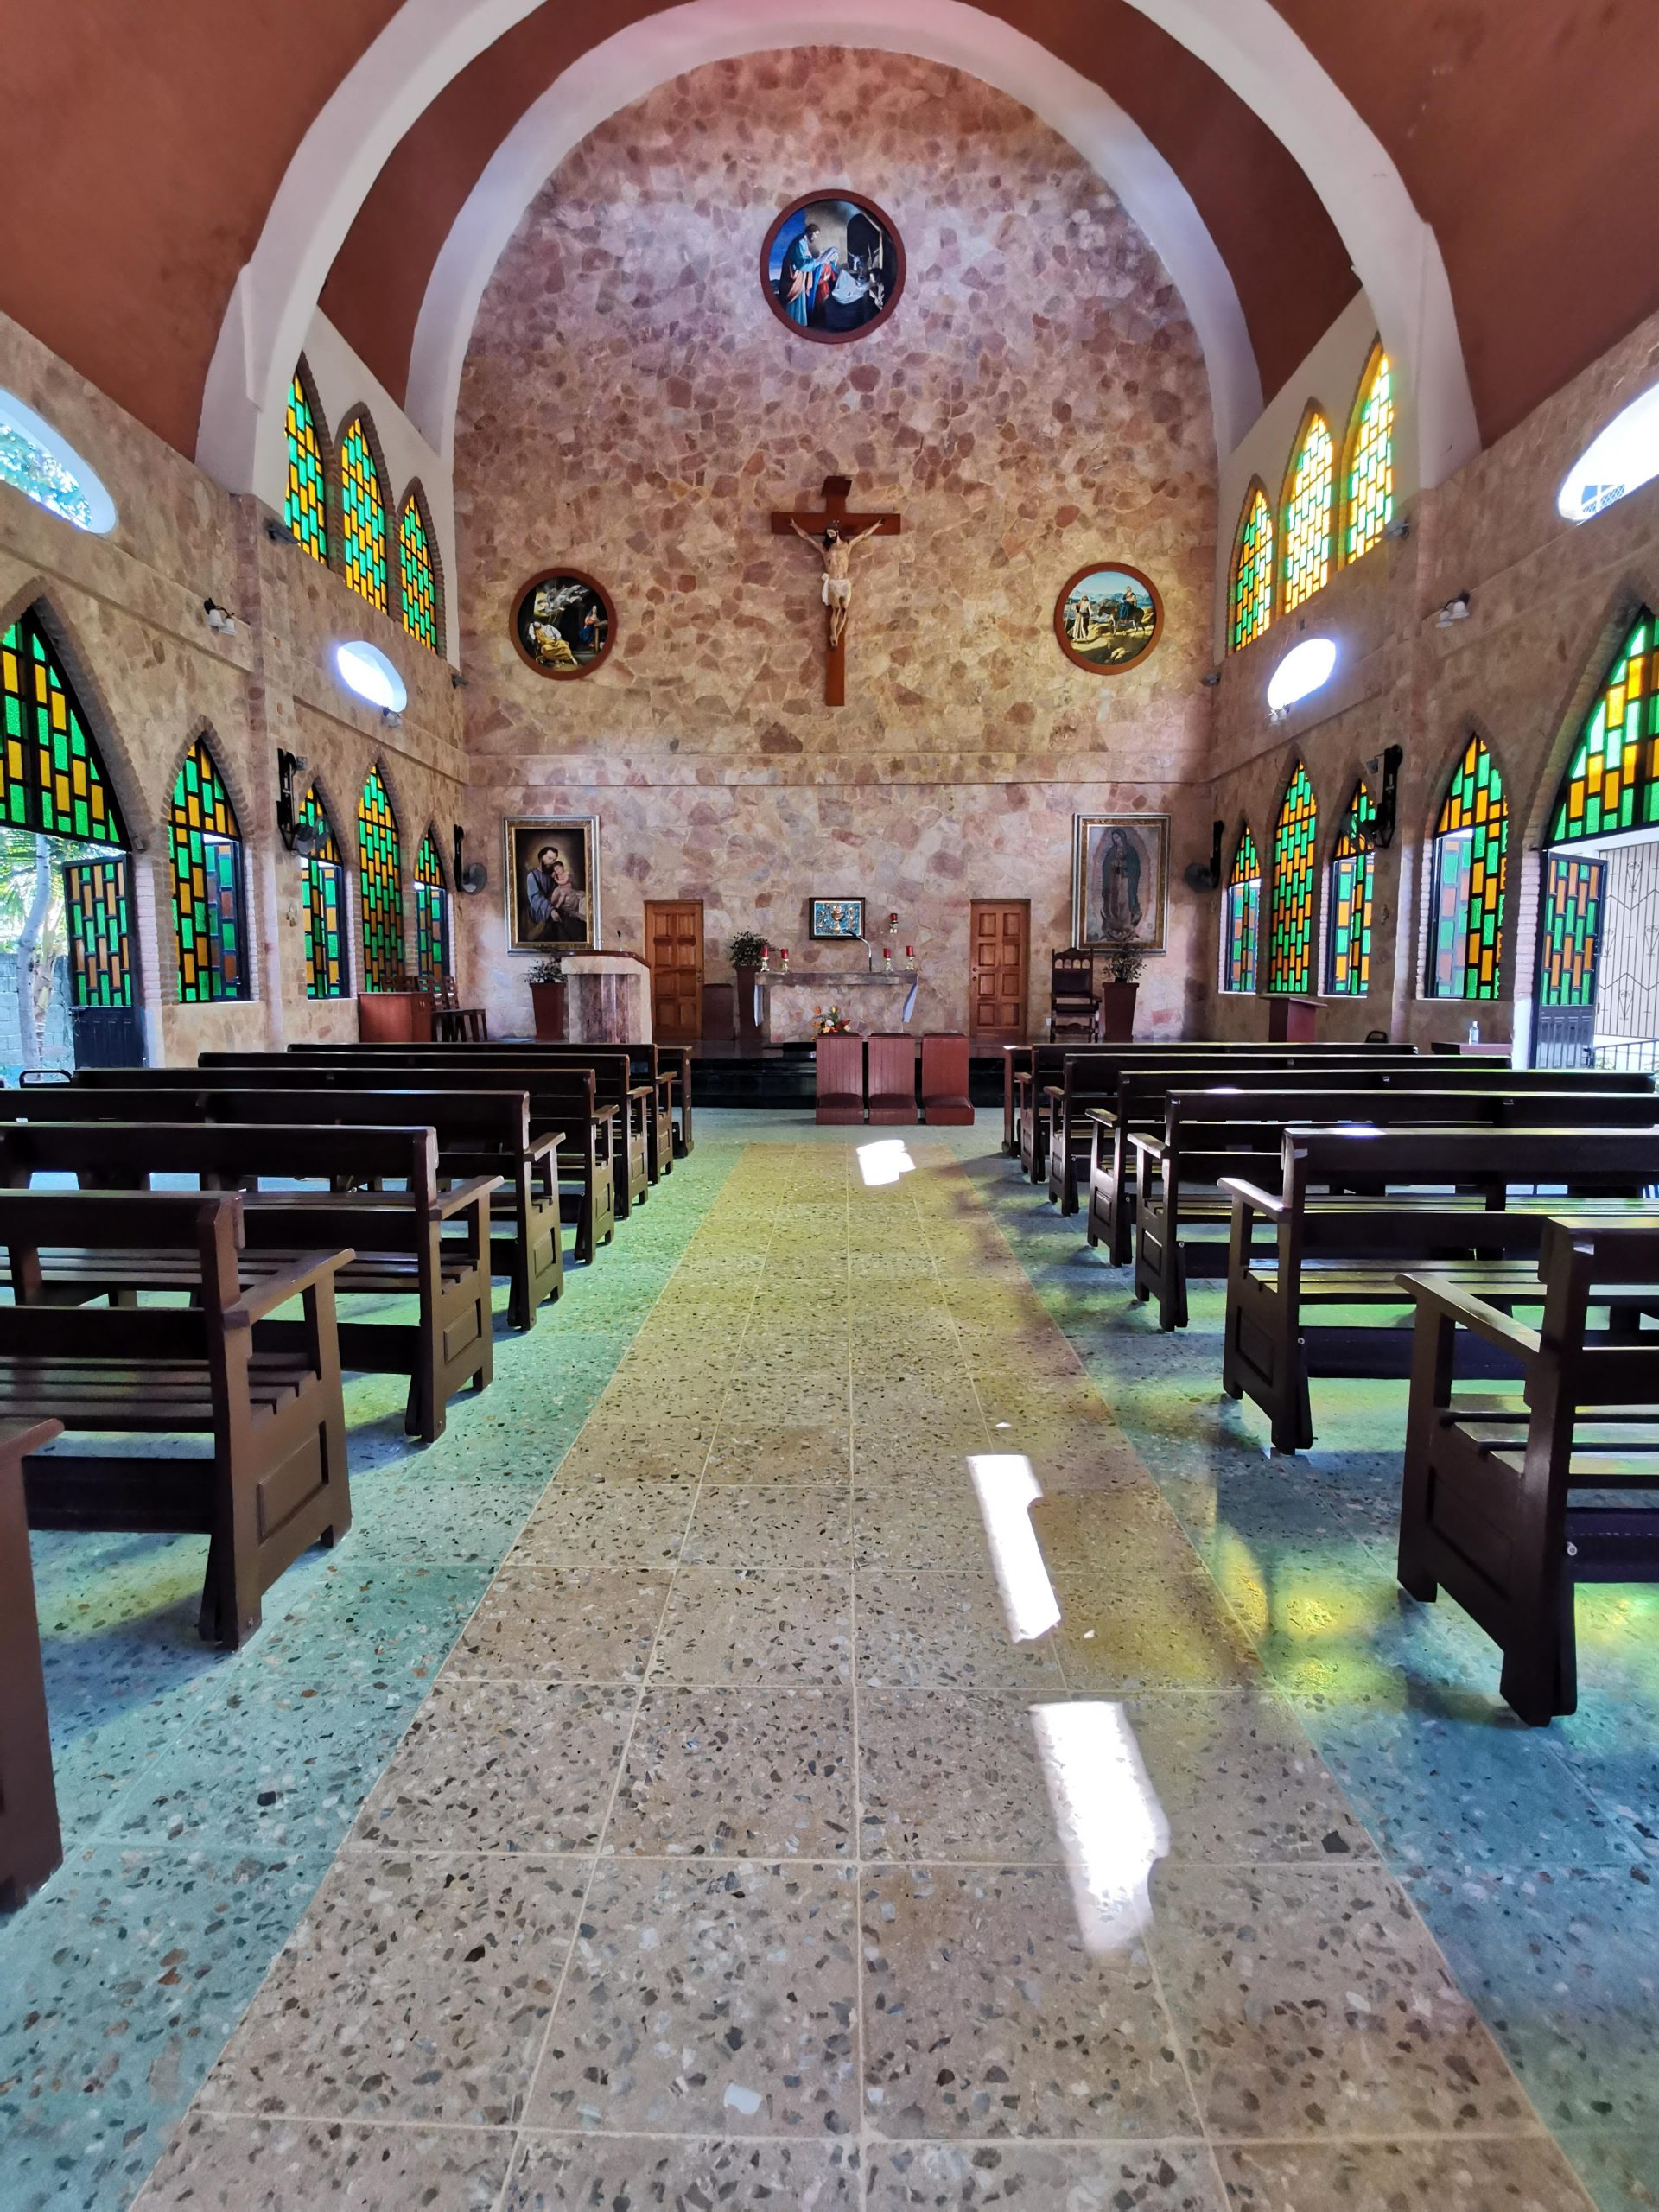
x,y
1612,782
1351,866
1240,918
1308,498
326,974
1290,941
362,518
431,911
1470,849
207,909
51,778
418,599
1368,493
1251,601
380,888
305,505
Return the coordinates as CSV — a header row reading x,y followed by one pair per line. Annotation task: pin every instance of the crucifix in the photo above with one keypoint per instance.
x,y
833,536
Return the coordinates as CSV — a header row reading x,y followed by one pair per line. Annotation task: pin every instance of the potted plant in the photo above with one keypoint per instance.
x,y
1124,961
547,997
748,950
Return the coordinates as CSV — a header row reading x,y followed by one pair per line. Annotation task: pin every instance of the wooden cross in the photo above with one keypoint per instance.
x,y
834,510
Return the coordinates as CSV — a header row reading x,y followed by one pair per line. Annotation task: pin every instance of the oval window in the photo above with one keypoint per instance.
x,y
366,670
1302,670
1624,457
45,468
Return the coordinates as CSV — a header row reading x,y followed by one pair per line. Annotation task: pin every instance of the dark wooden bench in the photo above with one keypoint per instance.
x,y
1209,1134
400,1248
561,1103
31,1841
1437,1196
479,1133
1505,1499
267,1392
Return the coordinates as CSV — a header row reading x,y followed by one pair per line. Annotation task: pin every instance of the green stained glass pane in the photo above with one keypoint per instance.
x,y
1611,783
1251,603
362,518
305,504
1307,515
51,775
1290,941
207,883
1240,918
431,911
1350,900
1470,864
1573,898
1370,492
95,910
380,885
419,599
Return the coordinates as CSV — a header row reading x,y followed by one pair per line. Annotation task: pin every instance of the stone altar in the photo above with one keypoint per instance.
x,y
869,1001
607,998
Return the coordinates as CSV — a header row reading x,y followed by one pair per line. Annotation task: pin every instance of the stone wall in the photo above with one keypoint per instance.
x,y
126,613
631,405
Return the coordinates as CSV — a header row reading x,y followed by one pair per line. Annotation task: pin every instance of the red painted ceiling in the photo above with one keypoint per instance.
x,y
136,171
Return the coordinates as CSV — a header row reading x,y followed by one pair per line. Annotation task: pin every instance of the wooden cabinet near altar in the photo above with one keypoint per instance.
x,y
394,1017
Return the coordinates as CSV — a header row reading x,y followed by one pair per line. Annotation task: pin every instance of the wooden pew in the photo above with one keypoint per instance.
x,y
1440,1196
1016,1064
400,1249
1493,1505
561,1103
31,1841
277,1482
614,1086
1209,1134
479,1133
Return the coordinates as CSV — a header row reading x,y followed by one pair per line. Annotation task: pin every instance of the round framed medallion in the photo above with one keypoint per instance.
x,y
832,267
564,623
1107,618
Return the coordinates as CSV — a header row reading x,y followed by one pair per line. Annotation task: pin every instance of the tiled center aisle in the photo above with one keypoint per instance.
x,y
774,1833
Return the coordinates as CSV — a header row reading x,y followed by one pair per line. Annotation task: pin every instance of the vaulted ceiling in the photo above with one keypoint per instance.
x,y
137,170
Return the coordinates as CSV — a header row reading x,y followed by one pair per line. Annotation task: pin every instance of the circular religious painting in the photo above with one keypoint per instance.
x,y
832,267
1107,618
564,623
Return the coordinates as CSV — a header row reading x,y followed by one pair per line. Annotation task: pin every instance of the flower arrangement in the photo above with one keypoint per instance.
x,y
748,949
1125,959
829,1021
548,971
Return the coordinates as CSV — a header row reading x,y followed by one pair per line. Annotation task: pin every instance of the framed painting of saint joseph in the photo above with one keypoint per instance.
x,y
553,883
1119,880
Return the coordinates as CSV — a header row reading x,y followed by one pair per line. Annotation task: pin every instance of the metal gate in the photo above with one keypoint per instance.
x,y
103,1013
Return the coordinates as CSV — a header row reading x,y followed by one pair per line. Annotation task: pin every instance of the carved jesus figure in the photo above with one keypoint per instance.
x,y
836,554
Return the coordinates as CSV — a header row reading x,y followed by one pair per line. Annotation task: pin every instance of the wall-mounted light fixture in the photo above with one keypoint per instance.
x,y
1456,609
1210,677
1400,527
278,532
220,619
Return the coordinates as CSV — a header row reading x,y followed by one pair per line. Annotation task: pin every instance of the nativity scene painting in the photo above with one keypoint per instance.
x,y
832,267
1107,617
564,623
1119,880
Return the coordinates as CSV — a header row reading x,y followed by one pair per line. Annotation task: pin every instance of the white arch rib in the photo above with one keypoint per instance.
x,y
427,42
637,60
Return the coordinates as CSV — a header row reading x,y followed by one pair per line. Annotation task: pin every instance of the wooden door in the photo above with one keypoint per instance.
x,y
674,948
999,965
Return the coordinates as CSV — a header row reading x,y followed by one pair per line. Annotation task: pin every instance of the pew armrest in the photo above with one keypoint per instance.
x,y
540,1147
452,1201
1253,1196
1454,1303
263,1297
1144,1142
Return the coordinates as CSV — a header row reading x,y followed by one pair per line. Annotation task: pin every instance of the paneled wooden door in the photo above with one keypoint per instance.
x,y
674,948
998,971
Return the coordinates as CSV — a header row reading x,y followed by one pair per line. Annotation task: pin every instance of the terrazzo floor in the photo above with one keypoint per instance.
x,y
919,1749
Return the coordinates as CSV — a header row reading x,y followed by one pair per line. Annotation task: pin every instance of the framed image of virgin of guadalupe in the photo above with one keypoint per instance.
x,y
832,267
1119,880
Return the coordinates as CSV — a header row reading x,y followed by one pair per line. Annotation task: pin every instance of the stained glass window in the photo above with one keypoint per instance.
x,y
362,518
380,888
1471,843
327,975
1572,928
1368,495
100,950
1352,865
431,913
1290,941
1251,603
51,779
305,505
420,595
1241,918
1307,514
1612,783
207,883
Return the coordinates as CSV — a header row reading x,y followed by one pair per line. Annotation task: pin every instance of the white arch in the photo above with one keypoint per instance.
x,y
637,60
427,42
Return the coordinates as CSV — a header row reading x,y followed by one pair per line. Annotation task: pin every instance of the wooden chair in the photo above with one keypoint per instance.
x,y
31,1842
890,1085
944,1081
1487,1507
840,1081
1073,1001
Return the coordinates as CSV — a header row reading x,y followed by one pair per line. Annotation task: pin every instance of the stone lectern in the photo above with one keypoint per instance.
x,y
607,999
